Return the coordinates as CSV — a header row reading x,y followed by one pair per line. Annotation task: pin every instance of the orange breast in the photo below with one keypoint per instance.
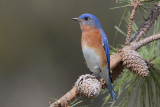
x,y
91,37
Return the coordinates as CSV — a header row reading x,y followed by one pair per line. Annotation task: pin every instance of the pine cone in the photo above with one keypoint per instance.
x,y
135,63
88,86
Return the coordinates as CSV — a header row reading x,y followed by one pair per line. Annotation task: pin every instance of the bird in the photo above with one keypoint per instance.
x,y
95,48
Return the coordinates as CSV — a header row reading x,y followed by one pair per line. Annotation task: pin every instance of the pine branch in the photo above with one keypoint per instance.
x,y
135,5
63,101
150,21
145,41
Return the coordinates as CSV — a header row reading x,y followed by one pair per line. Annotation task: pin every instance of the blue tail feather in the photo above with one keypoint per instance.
x,y
113,95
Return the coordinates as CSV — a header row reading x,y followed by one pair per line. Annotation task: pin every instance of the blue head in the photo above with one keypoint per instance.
x,y
88,20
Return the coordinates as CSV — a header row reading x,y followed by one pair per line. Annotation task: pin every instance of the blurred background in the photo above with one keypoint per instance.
x,y
40,47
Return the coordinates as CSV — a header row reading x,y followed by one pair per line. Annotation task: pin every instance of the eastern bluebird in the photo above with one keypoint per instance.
x,y
95,48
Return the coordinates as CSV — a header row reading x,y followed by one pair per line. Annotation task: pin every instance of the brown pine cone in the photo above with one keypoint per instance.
x,y
134,62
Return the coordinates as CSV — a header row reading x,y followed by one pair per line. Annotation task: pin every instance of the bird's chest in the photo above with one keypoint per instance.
x,y
92,58
92,47
91,38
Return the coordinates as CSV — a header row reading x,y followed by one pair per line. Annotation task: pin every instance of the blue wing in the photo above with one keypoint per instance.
x,y
106,47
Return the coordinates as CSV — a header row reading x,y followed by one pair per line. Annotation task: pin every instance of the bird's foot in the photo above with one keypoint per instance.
x,y
96,75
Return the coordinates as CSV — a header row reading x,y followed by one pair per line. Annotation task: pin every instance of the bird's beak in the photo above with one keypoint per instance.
x,y
76,19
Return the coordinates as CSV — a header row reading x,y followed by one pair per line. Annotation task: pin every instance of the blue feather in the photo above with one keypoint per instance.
x,y
106,48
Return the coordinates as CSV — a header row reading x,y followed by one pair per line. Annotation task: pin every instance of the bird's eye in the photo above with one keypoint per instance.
x,y
86,18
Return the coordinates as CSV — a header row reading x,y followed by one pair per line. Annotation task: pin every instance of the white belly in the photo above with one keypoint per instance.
x,y
92,59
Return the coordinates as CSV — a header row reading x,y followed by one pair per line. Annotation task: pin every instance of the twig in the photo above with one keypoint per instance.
x,y
150,21
135,5
69,96
145,41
